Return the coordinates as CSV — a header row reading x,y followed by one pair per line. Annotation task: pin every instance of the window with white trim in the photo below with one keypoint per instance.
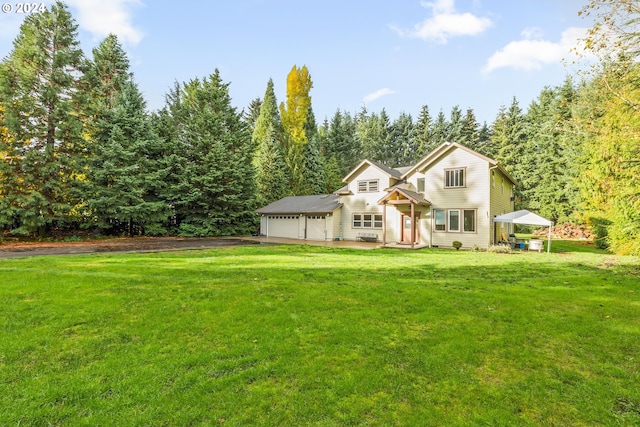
x,y
455,220
454,178
365,220
420,185
369,186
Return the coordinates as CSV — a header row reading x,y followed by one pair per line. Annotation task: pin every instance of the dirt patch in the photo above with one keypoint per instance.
x,y
135,244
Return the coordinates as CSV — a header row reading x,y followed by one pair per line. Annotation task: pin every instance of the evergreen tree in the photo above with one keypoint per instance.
x,y
213,184
470,131
341,148
272,182
508,141
380,150
268,131
422,133
106,74
253,112
125,174
483,145
314,178
439,130
268,118
542,186
455,126
401,150
367,132
41,98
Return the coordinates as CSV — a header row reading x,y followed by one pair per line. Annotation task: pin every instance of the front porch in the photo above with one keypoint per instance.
x,y
410,206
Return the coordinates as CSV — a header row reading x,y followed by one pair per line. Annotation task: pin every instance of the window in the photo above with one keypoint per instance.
x,y
454,220
441,219
420,185
370,186
502,185
367,221
469,220
454,178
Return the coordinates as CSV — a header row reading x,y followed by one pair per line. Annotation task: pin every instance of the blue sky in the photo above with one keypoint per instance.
x,y
392,54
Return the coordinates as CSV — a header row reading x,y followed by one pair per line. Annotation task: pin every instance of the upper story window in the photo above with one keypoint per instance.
x,y
454,178
368,186
420,185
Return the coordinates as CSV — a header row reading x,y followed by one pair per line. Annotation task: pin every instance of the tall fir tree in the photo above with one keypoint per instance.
x,y
422,132
268,131
268,118
272,182
455,125
508,141
380,151
470,131
212,187
126,174
253,112
439,130
543,184
401,148
341,147
314,177
41,97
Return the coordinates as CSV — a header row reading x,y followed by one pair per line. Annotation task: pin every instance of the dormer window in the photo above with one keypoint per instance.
x,y
454,178
369,186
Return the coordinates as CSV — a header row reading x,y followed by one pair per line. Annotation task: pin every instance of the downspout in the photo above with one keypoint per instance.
x,y
431,228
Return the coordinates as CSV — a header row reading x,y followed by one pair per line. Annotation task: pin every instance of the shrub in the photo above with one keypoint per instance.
x,y
457,245
499,249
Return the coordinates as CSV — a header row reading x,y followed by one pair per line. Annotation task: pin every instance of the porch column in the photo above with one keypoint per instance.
x,y
413,224
384,224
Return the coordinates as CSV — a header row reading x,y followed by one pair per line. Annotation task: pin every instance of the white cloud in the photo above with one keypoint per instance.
x,y
101,17
446,23
533,52
377,94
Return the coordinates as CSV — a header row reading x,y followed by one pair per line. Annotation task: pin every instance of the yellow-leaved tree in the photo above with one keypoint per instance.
x,y
294,113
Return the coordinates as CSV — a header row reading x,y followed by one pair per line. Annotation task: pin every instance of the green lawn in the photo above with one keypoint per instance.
x,y
312,336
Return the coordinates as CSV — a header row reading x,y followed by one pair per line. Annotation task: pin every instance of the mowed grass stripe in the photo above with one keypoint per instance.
x,y
298,335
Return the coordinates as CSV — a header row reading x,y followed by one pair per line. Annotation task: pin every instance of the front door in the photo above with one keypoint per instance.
x,y
406,229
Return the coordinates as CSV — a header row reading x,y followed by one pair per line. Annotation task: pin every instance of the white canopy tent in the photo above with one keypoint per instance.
x,y
525,217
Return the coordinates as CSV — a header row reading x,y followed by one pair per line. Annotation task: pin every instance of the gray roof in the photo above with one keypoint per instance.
x,y
389,170
322,204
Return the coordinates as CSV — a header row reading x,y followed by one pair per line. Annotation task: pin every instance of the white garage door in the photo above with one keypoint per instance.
x,y
316,226
283,226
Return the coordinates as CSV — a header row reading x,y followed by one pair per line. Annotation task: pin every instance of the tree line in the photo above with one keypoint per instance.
x,y
78,148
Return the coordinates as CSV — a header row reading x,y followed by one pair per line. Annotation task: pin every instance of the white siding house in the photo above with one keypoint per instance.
x,y
451,194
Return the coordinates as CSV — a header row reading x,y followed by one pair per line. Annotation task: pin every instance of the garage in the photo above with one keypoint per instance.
x,y
316,227
300,217
282,226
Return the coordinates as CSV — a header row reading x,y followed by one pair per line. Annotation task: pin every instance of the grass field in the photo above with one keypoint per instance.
x,y
312,336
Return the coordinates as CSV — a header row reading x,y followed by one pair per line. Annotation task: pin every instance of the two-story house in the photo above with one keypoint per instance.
x,y
452,194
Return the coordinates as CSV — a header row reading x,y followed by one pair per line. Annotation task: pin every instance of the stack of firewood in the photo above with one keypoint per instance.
x,y
566,231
